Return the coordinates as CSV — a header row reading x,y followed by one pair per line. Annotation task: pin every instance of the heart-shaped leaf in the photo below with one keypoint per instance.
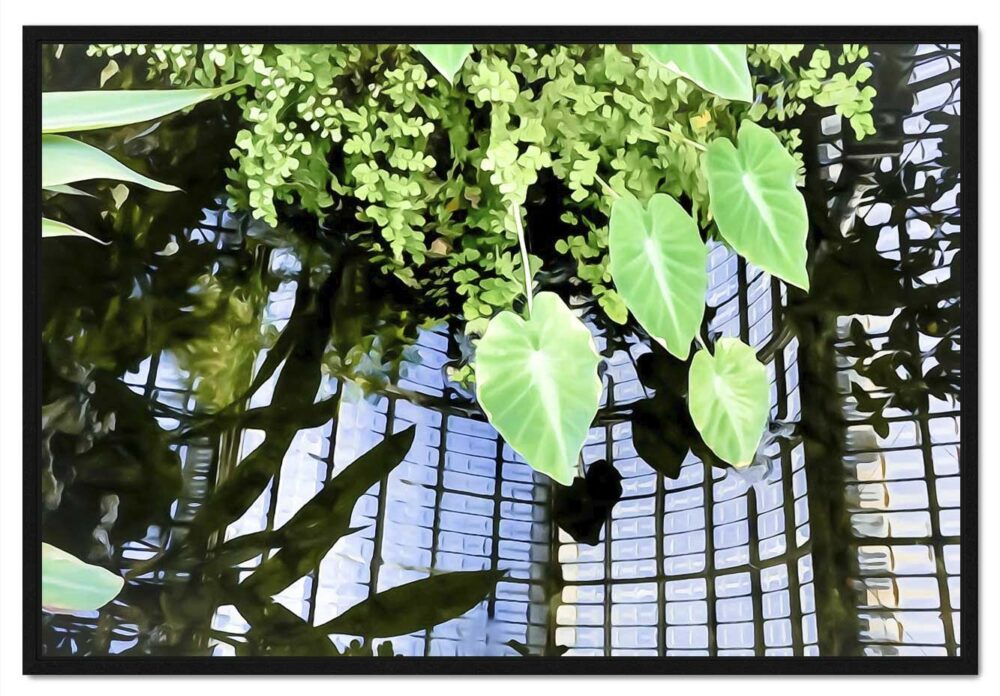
x,y
717,68
69,584
447,58
756,204
54,228
729,400
658,265
64,112
66,161
537,382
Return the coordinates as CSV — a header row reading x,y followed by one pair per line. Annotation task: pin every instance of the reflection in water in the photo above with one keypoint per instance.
x,y
713,562
710,562
903,437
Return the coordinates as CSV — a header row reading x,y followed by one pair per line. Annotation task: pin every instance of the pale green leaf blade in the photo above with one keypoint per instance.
x,y
447,58
729,400
68,190
717,68
658,263
64,112
66,161
69,584
54,228
755,203
537,382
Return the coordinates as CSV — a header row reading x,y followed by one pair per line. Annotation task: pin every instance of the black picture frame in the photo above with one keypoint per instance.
x,y
34,37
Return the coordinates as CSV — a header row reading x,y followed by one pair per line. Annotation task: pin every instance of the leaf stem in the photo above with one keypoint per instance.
x,y
526,265
693,143
607,187
701,342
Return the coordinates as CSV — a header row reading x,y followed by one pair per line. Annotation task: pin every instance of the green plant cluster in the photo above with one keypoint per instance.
x,y
423,174
221,359
845,90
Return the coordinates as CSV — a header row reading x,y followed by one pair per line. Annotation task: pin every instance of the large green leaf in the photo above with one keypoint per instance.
x,y
447,58
756,204
658,265
89,110
729,399
416,605
54,228
537,382
718,68
66,161
69,584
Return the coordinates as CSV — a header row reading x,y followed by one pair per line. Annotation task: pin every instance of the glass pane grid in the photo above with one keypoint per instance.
x,y
672,574
460,500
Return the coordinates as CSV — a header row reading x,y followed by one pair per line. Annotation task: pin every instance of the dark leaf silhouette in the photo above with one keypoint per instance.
x,y
873,407
416,605
662,429
275,630
582,508
659,433
295,392
524,651
133,465
310,534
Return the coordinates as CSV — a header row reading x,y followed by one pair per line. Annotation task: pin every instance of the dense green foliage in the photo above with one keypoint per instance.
x,y
425,156
421,172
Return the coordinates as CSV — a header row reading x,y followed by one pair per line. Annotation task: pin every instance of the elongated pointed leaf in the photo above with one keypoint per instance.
x,y
66,161
537,382
64,112
54,228
275,630
69,584
729,399
447,58
308,536
658,265
717,68
416,605
756,204
69,191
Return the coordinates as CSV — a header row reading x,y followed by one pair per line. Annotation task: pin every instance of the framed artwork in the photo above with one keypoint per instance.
x,y
500,350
